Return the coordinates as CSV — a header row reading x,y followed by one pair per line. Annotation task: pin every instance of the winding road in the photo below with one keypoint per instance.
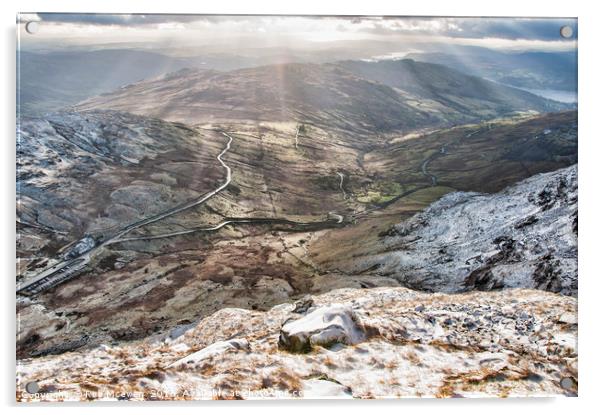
x,y
424,166
232,221
67,269
181,208
39,226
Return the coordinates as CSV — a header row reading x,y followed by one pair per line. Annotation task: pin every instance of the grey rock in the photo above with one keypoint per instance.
x,y
324,326
522,237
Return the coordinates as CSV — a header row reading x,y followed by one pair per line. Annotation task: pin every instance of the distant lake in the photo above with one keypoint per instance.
x,y
555,94
568,97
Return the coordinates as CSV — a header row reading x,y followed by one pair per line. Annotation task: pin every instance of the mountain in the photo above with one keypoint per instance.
x,y
533,70
471,226
524,236
144,211
360,96
452,88
51,81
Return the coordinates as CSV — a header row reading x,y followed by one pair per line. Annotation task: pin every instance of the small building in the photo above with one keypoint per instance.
x,y
81,247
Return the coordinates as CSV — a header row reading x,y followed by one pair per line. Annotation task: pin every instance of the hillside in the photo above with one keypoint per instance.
x,y
536,70
508,341
54,80
524,236
134,230
88,174
356,96
377,343
454,89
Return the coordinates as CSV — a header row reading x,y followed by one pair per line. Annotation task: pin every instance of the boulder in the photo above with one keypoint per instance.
x,y
322,327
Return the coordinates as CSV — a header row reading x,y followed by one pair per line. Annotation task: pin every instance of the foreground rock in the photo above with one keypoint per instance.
x,y
325,326
515,342
524,236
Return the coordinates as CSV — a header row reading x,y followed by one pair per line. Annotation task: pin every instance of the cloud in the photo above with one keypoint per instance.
x,y
130,19
286,31
474,28
508,28
468,27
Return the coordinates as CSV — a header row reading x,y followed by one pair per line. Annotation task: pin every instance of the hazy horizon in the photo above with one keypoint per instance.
x,y
189,35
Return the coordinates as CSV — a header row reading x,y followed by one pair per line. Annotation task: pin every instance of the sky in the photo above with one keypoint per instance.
x,y
161,31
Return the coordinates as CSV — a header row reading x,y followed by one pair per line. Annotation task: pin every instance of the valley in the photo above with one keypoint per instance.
x,y
256,223
158,208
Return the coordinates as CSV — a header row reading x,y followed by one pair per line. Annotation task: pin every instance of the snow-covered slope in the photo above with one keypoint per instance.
x,y
509,343
524,236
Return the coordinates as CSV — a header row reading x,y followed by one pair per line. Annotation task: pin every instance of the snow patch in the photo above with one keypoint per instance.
x,y
211,351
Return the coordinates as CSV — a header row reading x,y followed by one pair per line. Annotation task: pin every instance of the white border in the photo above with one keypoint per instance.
x,y
590,138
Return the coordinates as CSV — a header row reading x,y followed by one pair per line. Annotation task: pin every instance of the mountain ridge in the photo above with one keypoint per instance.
x,y
534,70
365,96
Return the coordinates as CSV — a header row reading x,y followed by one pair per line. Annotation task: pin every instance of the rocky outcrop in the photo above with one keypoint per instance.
x,y
516,342
524,236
